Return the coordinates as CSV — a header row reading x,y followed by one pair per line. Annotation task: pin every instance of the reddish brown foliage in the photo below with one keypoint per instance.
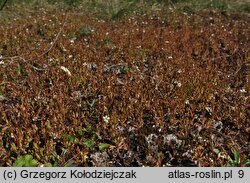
x,y
174,89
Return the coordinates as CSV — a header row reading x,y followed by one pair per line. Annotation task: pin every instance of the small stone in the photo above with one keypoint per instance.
x,y
2,98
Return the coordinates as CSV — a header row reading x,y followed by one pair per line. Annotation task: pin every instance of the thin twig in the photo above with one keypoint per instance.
x,y
55,40
39,56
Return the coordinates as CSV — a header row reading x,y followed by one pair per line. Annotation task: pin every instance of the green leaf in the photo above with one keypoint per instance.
x,y
70,138
246,162
25,161
236,157
18,69
103,146
80,132
216,151
19,162
89,143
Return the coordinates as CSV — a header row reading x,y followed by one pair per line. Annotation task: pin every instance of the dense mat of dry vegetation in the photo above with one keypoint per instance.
x,y
161,89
